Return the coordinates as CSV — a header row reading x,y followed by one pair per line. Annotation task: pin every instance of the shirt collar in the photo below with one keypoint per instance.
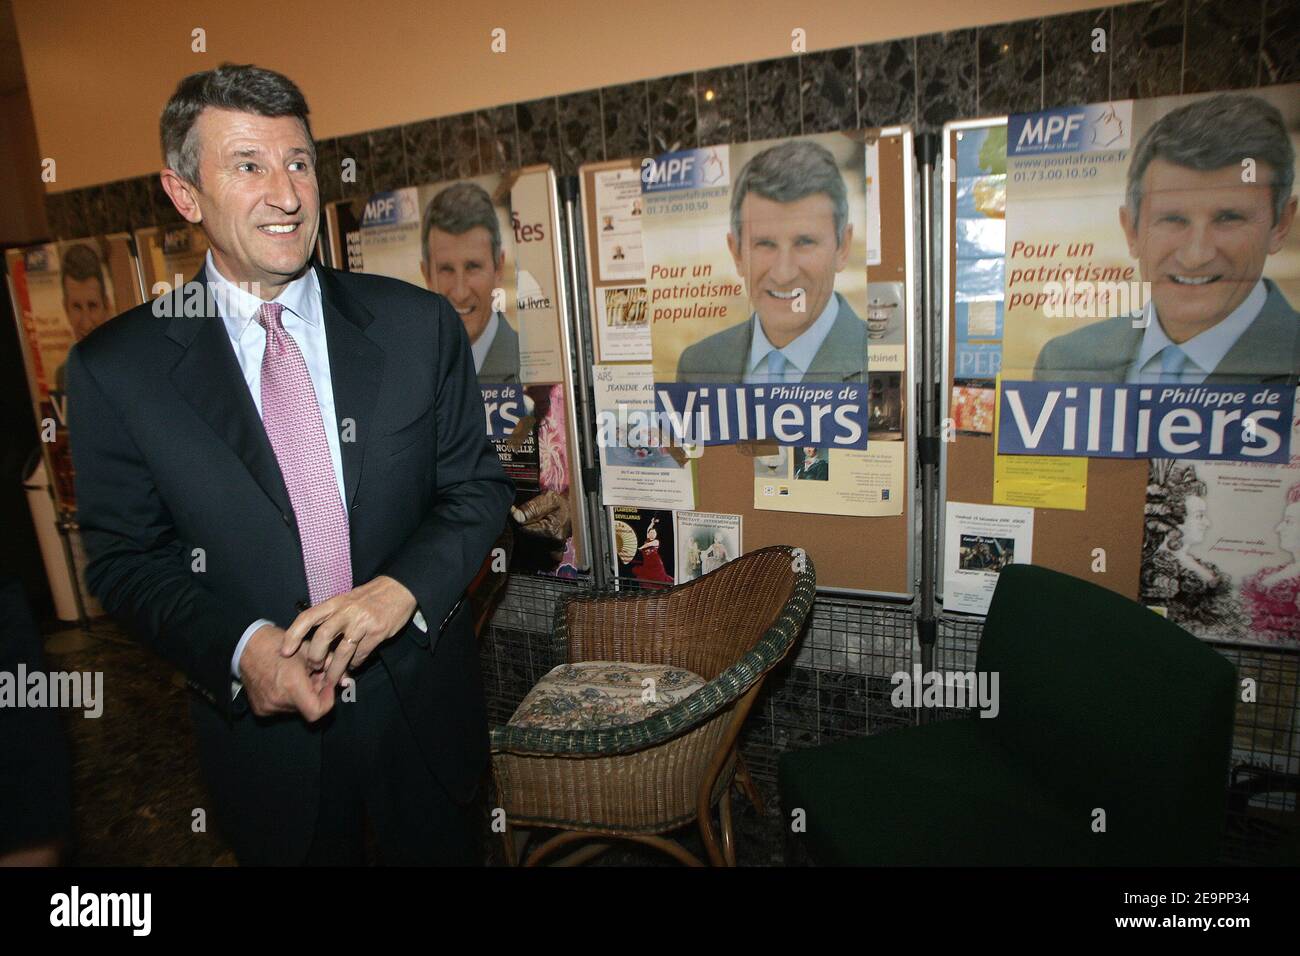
x,y
239,307
480,348
802,350
1207,349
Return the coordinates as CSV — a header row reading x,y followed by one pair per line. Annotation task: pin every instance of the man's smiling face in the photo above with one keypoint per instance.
x,y
787,249
257,198
461,268
1201,241
83,303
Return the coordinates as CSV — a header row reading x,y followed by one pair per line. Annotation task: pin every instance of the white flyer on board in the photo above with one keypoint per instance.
x,y
979,541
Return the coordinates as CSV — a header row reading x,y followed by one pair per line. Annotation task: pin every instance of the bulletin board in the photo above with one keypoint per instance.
x,y
1054,274
853,554
525,376
61,291
1062,540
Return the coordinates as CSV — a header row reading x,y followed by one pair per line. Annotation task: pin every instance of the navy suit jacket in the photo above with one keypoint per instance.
x,y
171,456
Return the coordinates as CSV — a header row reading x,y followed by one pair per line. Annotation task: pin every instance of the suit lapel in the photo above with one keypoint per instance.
x,y
1119,354
1269,349
356,367
745,345
209,378
843,355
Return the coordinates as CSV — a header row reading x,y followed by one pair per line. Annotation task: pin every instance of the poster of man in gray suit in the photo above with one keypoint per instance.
x,y
790,235
1208,200
460,238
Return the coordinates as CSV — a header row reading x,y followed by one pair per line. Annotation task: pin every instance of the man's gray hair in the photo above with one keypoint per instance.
x,y
458,209
789,172
240,87
1212,133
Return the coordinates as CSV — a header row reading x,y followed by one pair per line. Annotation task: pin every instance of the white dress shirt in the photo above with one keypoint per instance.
x,y
304,319
1204,351
799,353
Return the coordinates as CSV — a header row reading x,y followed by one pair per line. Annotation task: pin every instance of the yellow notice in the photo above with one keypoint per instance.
x,y
1037,481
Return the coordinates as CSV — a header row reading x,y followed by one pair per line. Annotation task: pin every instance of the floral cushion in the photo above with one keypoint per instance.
x,y
597,694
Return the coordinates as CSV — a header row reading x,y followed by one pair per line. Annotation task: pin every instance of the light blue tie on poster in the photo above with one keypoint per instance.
x,y
779,368
1173,364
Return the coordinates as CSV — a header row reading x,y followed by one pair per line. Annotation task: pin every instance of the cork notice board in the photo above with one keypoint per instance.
x,y
1063,540
860,554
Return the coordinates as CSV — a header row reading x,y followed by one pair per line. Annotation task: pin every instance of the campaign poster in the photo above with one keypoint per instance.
x,y
1151,251
979,250
486,244
64,291
756,274
170,256
705,542
1221,549
643,546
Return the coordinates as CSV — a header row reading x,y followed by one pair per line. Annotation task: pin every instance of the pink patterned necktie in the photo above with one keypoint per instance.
x,y
291,416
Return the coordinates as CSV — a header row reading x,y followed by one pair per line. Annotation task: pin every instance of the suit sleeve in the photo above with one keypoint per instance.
x,y
472,495
136,566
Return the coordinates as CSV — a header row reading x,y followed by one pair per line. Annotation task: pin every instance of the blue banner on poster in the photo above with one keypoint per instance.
x,y
815,414
1202,422
503,406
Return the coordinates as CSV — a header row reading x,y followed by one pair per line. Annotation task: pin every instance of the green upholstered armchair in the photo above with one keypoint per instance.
x,y
1104,706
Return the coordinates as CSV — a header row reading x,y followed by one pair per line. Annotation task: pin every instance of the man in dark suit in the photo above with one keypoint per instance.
x,y
790,235
463,259
1201,231
284,488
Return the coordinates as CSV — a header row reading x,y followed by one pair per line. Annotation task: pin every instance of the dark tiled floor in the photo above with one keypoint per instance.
x,y
136,781
135,774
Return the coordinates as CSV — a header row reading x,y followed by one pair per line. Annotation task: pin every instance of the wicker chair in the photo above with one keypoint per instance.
x,y
645,779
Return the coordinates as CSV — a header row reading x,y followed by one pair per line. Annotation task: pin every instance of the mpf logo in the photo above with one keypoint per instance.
x,y
1081,129
36,260
176,241
670,171
1056,131
387,209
